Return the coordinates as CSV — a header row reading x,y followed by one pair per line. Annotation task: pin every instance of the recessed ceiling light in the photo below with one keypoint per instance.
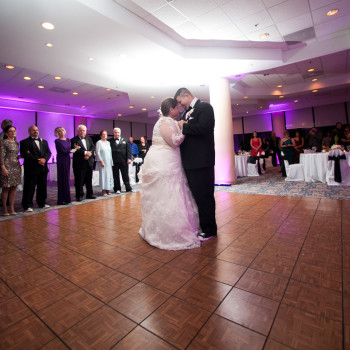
x,y
332,12
311,69
144,109
152,97
245,97
315,79
74,93
131,106
247,112
27,78
41,87
48,45
83,106
119,115
91,59
279,86
48,26
9,66
260,107
296,101
264,36
314,90
108,89
57,78
237,104
281,96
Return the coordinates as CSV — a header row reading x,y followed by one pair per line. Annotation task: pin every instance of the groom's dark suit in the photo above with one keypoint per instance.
x,y
35,175
198,159
82,168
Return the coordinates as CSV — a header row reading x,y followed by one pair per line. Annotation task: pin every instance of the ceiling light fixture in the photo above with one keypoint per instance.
x,y
296,101
152,97
91,59
48,45
27,78
279,86
57,78
131,107
119,115
332,12
264,36
245,97
144,109
9,66
83,106
314,79
311,69
108,89
48,25
315,90
281,96
74,93
41,87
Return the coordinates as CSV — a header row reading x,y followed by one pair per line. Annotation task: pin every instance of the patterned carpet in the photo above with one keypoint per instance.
x,y
271,183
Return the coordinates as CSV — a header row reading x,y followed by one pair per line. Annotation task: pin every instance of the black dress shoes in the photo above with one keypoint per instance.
x,y
206,236
91,197
79,199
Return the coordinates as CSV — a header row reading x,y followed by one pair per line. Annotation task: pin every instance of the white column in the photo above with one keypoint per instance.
x,y
220,99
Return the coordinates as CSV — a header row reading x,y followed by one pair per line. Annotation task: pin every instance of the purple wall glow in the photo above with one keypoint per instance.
x,y
257,123
47,122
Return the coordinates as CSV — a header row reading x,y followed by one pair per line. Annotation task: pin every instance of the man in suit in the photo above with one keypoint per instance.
x,y
121,159
35,152
83,163
198,157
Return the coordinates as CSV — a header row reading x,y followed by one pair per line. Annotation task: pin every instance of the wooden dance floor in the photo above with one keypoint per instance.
x,y
276,277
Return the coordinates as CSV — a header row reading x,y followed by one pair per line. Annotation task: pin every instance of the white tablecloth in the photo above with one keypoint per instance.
x,y
241,164
315,166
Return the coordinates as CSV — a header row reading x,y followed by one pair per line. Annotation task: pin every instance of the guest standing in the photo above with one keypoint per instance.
x,y
143,147
121,159
10,175
255,144
105,163
299,146
275,148
4,124
83,163
36,153
287,147
134,151
63,148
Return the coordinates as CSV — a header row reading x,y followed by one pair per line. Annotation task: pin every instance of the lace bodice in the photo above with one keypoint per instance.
x,y
167,132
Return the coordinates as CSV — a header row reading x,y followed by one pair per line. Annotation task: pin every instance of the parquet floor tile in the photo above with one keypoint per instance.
x,y
176,321
139,338
302,330
249,310
139,302
68,311
219,333
263,283
100,330
277,278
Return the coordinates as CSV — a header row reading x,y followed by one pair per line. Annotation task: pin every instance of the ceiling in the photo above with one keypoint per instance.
x,y
143,50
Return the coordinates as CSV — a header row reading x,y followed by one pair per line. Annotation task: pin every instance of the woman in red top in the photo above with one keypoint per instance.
x,y
255,144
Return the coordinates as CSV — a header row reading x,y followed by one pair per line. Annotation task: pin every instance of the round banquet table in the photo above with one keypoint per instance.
x,y
241,164
315,165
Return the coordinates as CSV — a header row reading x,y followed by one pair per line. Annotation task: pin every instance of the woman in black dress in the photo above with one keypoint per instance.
x,y
143,147
63,166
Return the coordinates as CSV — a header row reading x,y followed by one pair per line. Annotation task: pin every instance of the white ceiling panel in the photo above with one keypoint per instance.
x,y
212,19
288,9
150,5
295,24
191,9
189,31
315,4
237,9
271,3
170,16
228,32
328,28
252,23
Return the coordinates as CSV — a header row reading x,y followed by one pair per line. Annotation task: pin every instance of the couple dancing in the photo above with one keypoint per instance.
x,y
178,204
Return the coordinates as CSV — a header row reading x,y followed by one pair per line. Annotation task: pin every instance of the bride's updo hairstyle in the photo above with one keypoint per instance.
x,y
166,104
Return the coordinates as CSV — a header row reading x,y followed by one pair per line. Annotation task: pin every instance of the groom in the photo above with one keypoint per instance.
x,y
198,157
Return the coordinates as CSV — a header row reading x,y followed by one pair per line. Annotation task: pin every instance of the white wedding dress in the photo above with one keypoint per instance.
x,y
169,213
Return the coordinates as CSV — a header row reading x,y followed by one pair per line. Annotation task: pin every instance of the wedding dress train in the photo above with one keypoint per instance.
x,y
169,213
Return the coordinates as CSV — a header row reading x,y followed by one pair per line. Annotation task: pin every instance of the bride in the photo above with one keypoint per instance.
x,y
169,213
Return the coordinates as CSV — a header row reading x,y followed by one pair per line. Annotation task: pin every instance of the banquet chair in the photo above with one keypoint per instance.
x,y
253,169
295,172
344,170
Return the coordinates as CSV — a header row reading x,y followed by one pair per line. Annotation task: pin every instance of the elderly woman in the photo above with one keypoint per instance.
x,y
10,175
105,163
63,166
